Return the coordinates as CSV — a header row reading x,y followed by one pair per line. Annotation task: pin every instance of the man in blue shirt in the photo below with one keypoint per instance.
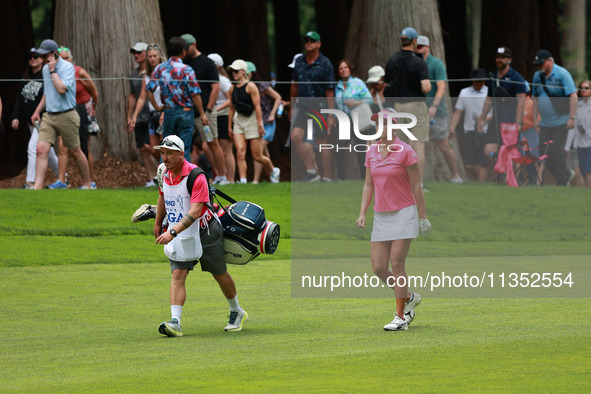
x,y
60,118
556,102
313,67
505,83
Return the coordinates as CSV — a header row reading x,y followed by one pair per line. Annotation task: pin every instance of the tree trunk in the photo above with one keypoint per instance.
x,y
374,36
573,38
99,34
530,26
331,21
287,37
16,31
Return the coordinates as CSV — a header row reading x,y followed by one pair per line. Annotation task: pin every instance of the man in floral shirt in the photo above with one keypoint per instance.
x,y
179,90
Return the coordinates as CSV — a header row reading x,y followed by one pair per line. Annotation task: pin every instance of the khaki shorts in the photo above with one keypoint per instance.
x,y
213,124
418,109
246,125
65,125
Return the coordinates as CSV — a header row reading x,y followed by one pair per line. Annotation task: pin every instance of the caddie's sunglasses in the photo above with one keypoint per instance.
x,y
309,40
170,143
63,49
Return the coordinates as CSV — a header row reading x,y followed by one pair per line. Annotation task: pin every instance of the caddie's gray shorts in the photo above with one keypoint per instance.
x,y
213,259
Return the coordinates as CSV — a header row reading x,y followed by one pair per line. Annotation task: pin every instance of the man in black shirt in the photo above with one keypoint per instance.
x,y
206,71
408,81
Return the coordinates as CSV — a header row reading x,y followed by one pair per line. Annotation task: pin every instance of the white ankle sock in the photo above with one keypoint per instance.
x,y
176,311
234,305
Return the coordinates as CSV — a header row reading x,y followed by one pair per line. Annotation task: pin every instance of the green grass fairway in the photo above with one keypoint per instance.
x,y
84,291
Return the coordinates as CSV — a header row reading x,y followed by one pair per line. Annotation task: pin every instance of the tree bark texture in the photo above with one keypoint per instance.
x,y
574,38
16,32
234,29
100,34
374,36
524,26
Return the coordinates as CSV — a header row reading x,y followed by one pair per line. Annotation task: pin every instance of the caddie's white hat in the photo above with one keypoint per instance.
x,y
172,142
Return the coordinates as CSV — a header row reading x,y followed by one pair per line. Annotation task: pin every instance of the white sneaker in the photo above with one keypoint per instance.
x,y
409,307
171,328
223,182
150,183
457,180
396,325
236,320
275,175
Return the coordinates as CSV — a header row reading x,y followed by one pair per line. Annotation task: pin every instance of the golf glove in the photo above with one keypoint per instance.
x,y
425,226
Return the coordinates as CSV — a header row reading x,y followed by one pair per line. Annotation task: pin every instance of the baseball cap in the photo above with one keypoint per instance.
x,y
423,40
409,33
172,142
504,51
293,62
217,59
139,47
541,55
250,67
47,46
189,39
479,73
375,73
384,114
238,64
313,35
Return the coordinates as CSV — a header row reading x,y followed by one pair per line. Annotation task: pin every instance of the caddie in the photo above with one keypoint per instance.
x,y
194,235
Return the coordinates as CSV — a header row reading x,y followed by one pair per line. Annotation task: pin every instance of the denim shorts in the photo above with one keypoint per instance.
x,y
179,121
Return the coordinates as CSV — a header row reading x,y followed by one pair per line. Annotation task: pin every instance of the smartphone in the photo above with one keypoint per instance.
x,y
581,129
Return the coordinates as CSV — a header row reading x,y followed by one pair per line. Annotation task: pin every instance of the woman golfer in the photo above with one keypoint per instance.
x,y
392,174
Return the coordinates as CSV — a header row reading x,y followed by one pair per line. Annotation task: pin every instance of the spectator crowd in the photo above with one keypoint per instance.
x,y
222,112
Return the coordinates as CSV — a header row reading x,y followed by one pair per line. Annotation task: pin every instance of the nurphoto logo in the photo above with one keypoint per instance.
x,y
344,128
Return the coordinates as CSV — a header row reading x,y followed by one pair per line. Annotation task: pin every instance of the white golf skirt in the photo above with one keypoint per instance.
x,y
392,225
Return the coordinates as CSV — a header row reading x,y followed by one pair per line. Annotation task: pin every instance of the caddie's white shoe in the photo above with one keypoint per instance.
x,y
409,307
396,325
171,328
236,320
145,212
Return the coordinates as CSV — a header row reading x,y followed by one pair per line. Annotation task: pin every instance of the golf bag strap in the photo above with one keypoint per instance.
x,y
195,172
223,195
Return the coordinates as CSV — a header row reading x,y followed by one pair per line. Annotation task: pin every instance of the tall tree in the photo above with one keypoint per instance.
x,y
16,30
287,40
574,37
374,36
332,18
530,26
453,25
235,29
99,34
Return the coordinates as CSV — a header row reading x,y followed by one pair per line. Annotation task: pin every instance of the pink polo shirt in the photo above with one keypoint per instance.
x,y
200,188
392,188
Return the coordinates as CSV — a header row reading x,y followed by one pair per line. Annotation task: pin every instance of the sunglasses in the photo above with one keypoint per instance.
x,y
309,40
153,46
420,46
235,71
34,56
585,88
63,49
170,144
